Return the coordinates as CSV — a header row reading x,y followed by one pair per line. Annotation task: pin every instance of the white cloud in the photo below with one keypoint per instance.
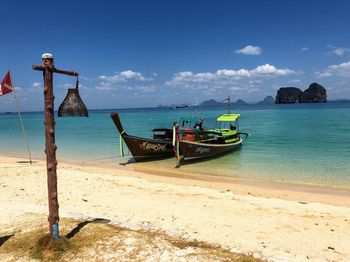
x,y
341,83
85,78
146,89
81,86
324,74
111,82
72,85
233,73
340,51
68,85
268,69
342,70
235,88
130,74
185,74
304,49
294,81
36,84
249,50
104,86
123,76
253,90
227,76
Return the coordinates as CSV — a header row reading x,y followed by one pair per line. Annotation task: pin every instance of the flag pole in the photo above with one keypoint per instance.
x,y
21,121
229,104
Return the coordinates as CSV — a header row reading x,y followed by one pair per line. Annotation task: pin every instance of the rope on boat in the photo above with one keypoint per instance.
x,y
121,149
121,155
108,157
174,135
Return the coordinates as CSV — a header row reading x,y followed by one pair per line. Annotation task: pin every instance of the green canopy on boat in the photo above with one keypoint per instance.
x,y
228,117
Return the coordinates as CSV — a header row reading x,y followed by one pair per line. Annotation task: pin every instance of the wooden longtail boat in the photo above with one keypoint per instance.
x,y
160,146
196,143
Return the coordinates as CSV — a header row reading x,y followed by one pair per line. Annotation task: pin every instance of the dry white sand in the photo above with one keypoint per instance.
x,y
290,223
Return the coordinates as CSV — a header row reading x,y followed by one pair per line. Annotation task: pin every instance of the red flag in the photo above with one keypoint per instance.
x,y
6,84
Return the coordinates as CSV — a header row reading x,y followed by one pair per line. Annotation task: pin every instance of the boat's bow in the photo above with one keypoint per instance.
x,y
117,122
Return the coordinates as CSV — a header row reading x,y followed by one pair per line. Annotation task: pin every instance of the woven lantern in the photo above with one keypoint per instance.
x,y
73,105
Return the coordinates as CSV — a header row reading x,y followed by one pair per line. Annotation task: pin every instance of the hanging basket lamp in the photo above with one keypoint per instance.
x,y
72,104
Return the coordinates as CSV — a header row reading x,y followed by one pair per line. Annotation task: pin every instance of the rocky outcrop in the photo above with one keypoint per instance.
x,y
314,94
241,102
210,103
267,101
214,103
287,95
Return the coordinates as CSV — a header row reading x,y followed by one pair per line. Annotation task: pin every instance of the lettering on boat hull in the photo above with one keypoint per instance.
x,y
153,147
202,150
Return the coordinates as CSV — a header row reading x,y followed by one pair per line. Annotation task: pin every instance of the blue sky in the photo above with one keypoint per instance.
x,y
146,53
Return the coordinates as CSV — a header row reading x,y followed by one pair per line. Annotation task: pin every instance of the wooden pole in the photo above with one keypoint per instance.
x,y
54,69
50,150
50,147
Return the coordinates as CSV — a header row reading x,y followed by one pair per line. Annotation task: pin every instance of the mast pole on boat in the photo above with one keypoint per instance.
x,y
229,104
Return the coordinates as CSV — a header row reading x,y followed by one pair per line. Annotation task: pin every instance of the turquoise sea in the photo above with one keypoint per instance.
x,y
302,143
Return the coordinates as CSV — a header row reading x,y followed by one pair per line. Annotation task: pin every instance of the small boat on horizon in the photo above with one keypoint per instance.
x,y
180,106
160,146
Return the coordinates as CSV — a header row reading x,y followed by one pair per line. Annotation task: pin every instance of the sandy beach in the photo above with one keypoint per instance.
x,y
272,221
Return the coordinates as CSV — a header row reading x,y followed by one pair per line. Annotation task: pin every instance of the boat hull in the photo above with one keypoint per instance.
x,y
144,148
147,149
194,150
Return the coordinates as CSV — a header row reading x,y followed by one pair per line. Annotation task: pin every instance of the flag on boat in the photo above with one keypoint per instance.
x,y
226,100
6,84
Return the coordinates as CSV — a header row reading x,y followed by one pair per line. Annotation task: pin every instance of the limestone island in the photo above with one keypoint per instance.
x,y
314,94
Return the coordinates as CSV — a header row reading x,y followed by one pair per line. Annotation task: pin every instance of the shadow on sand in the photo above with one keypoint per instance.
x,y
5,238
145,160
76,230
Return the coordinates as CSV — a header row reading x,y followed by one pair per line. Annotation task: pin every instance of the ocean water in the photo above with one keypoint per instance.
x,y
302,143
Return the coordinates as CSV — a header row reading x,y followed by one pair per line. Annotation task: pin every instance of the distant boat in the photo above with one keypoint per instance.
x,y
180,106
196,143
160,146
